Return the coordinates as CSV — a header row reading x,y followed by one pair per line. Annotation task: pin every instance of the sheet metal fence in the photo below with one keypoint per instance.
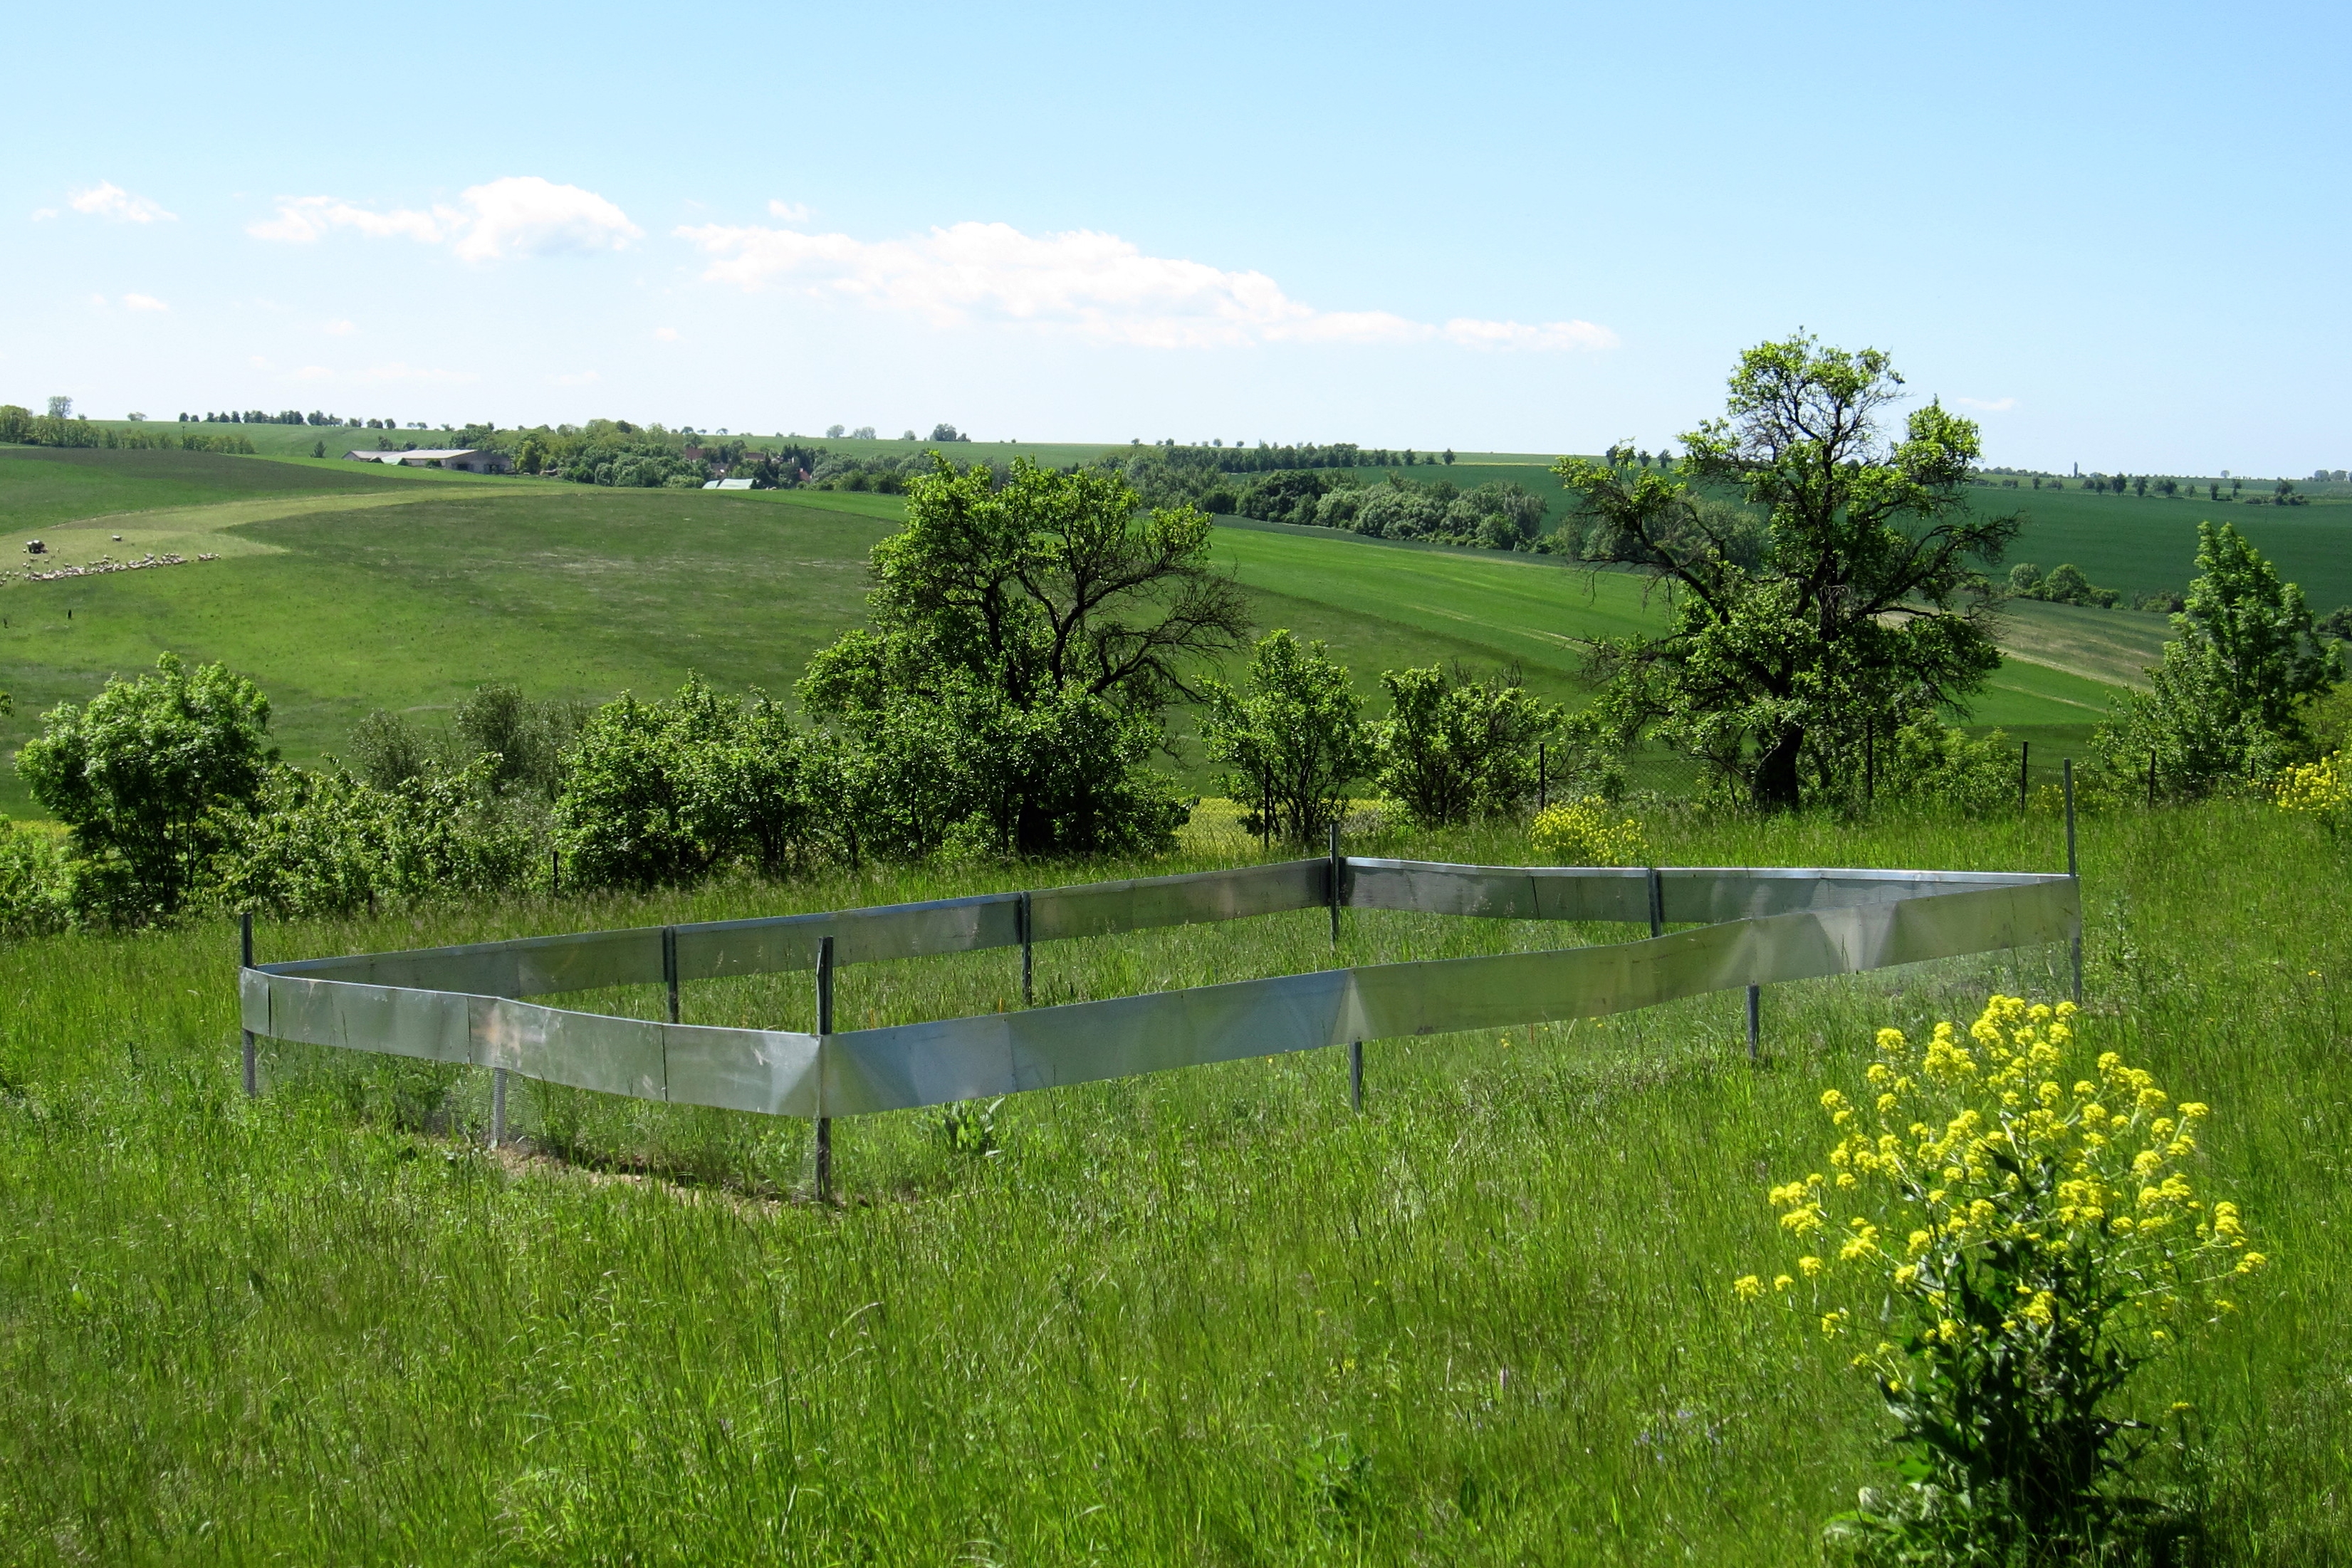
x,y
1751,928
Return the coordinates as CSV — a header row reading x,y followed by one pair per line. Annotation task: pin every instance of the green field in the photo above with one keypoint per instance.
x,y
2147,546
341,590
1207,1317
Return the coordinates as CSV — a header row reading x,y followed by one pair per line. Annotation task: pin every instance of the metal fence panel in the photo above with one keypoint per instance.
x,y
1500,892
429,1025
769,1071
585,1050
1106,909
962,1059
1769,925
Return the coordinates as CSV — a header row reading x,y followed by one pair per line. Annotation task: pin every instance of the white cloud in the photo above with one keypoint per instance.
x,y
108,200
305,220
1519,335
1096,286
143,302
518,215
531,217
665,334
43,215
338,328
1997,405
791,212
396,371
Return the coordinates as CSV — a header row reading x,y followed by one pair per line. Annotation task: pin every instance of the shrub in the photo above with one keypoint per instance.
x,y
1932,762
1588,831
1293,740
32,882
331,842
146,776
1452,750
2051,1244
664,791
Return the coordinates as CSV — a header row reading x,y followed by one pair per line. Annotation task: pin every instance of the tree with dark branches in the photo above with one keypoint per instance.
x,y
1869,606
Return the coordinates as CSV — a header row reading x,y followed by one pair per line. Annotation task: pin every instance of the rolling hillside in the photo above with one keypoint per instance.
x,y
341,590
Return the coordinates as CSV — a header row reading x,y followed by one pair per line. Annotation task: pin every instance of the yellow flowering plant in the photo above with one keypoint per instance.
x,y
1588,833
2321,790
2030,1230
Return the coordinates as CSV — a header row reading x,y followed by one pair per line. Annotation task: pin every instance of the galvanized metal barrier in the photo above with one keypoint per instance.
x,y
1752,928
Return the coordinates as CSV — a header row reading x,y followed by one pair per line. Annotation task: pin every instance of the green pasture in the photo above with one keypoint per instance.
x,y
340,590
40,487
2149,545
1205,1317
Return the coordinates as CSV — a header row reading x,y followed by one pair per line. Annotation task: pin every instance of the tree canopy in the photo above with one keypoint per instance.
x,y
1866,606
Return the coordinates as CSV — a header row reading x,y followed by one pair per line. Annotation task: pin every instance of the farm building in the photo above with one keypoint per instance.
x,y
470,459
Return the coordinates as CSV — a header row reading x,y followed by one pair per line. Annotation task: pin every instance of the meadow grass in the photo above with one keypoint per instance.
x,y
41,486
1203,1317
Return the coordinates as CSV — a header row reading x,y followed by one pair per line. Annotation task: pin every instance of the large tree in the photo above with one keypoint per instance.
x,y
1043,624
1868,606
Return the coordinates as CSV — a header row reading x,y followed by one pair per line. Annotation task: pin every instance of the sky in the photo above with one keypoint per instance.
x,y
2113,235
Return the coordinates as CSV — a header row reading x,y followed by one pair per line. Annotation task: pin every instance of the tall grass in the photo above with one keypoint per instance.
x,y
1205,1317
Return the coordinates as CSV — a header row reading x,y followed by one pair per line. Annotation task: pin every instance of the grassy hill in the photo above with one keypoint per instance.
x,y
341,589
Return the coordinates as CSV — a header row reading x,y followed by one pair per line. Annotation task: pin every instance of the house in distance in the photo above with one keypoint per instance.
x,y
469,459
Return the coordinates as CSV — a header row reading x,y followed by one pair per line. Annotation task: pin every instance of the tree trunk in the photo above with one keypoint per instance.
x,y
1776,785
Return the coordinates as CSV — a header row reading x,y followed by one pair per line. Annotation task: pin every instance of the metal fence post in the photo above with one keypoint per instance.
x,y
1331,887
554,872
1657,903
824,1029
1755,1020
2075,870
244,960
1028,952
669,967
1356,1074
2151,777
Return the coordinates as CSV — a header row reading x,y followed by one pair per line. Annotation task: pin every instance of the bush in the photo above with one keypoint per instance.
x,y
1588,831
662,792
1452,750
968,767
1934,764
2050,1245
146,776
320,844
1293,740
32,882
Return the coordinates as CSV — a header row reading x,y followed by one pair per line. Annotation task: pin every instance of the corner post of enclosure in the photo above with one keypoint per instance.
x,y
824,1039
244,960
2073,870
1331,887
1028,951
1755,1023
1657,903
669,967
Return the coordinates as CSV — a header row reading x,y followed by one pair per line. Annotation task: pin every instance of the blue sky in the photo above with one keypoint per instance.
x,y
2113,234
